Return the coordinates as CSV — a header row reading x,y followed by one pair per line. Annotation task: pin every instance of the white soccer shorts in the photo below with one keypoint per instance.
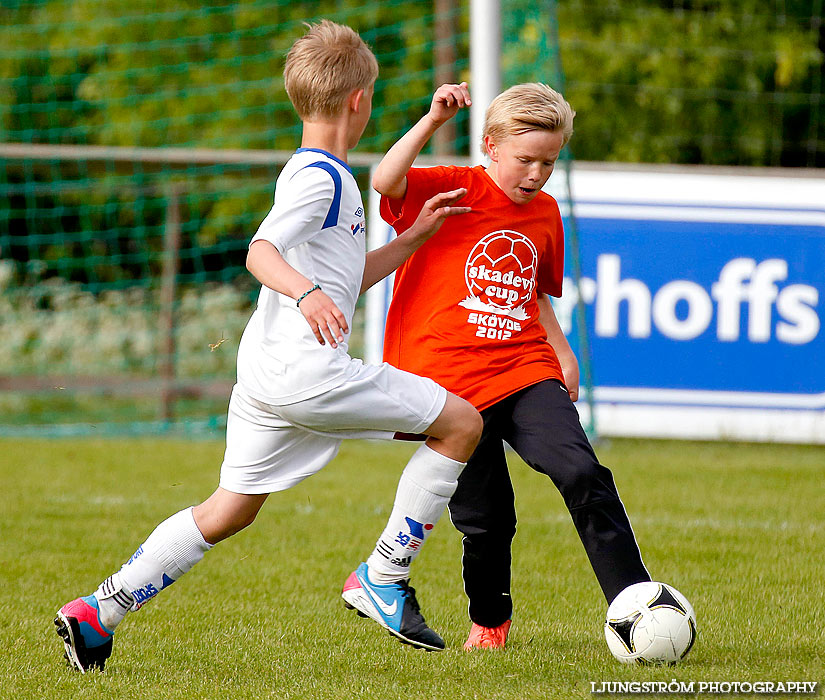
x,y
272,448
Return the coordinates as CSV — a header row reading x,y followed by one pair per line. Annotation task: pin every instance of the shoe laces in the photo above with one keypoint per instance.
x,y
488,634
409,594
488,637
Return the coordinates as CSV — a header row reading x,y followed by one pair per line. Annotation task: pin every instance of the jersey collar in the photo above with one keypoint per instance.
x,y
328,155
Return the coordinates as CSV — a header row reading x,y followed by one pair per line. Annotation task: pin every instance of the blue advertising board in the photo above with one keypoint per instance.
x,y
705,305
707,293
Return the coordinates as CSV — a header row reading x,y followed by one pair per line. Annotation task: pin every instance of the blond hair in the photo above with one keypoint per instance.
x,y
324,66
527,107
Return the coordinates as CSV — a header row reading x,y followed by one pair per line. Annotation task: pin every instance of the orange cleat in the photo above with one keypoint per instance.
x,y
487,637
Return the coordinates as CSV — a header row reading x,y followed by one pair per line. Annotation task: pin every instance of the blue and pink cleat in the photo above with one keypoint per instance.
x,y
393,606
88,643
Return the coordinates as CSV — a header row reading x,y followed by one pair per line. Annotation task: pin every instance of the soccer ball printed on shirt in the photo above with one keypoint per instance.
x,y
650,623
501,274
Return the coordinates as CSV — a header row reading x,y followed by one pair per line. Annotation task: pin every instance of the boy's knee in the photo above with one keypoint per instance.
x,y
458,428
586,483
466,427
471,422
493,533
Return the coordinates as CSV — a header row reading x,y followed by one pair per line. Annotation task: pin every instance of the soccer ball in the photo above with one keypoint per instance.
x,y
650,623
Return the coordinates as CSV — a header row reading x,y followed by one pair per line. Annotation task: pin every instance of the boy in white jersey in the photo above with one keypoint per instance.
x,y
298,392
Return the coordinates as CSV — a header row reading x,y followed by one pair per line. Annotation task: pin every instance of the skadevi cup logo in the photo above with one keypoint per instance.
x,y
500,273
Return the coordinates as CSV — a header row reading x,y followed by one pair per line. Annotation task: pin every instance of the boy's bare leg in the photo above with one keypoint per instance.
x,y
224,513
172,549
379,588
456,431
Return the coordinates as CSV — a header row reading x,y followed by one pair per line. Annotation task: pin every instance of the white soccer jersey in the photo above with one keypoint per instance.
x,y
317,224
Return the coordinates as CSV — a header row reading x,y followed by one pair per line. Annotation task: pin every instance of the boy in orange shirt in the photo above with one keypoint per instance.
x,y
470,310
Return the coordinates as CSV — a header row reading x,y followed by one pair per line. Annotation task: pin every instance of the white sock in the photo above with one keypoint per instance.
x,y
113,602
172,549
426,486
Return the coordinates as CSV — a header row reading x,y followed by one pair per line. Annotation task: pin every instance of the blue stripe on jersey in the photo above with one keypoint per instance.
x,y
335,207
328,155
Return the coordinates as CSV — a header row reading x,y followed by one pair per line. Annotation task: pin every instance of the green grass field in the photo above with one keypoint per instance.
x,y
739,529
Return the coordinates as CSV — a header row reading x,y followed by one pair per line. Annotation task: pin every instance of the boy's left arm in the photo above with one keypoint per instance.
x,y
390,176
382,261
557,339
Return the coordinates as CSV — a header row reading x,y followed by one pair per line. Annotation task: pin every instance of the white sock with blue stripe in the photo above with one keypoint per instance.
x,y
172,549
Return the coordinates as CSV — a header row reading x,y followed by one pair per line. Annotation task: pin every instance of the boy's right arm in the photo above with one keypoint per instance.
x,y
390,177
382,261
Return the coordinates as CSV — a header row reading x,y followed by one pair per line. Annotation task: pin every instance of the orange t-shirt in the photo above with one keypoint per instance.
x,y
464,309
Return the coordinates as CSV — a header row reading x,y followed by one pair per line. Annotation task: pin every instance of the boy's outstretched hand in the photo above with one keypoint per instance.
x,y
433,213
382,261
447,100
326,320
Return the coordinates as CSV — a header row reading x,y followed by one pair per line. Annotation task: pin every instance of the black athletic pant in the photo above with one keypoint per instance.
x,y
542,425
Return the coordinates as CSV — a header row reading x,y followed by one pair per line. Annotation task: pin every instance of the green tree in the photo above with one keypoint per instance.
x,y
718,82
